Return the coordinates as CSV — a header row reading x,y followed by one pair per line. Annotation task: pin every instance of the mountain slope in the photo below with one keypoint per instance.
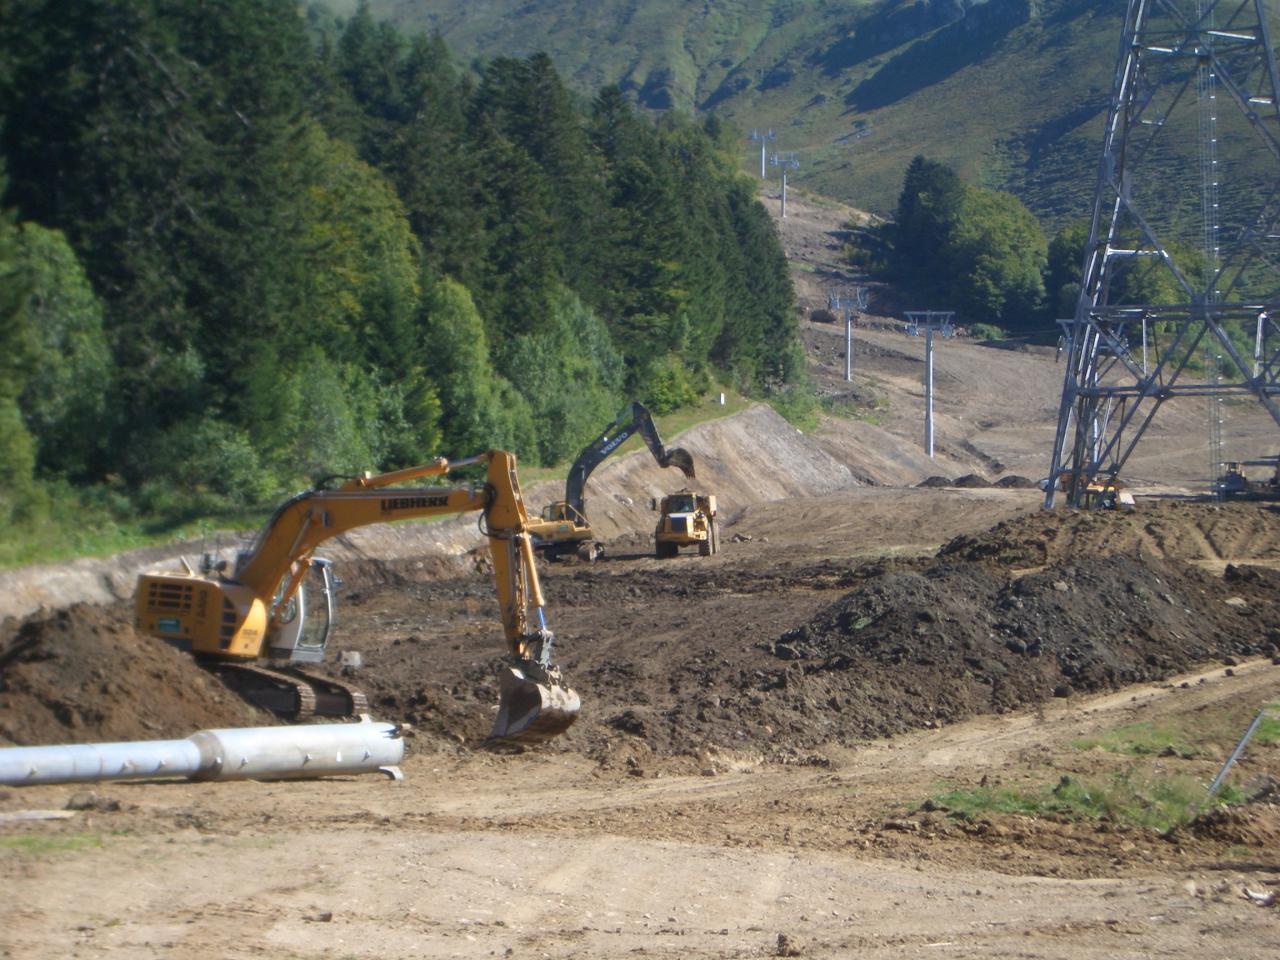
x,y
1010,93
856,88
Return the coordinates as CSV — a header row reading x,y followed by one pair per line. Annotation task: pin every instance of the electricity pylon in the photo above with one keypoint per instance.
x,y
1187,253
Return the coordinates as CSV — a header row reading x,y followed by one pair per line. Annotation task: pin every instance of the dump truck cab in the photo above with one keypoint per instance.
x,y
686,519
1107,495
1233,482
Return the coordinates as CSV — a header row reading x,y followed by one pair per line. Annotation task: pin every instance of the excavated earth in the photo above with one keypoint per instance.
x,y
771,739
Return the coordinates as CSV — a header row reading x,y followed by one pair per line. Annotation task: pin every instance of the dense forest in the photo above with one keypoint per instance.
x,y
983,254
243,246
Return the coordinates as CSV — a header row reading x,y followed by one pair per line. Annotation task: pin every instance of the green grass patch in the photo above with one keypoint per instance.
x,y
1268,731
1126,797
38,846
798,405
85,524
872,409
988,331
1141,740
709,409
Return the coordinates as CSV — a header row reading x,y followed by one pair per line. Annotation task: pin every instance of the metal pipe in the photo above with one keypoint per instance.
x,y
257,753
928,391
1235,755
848,345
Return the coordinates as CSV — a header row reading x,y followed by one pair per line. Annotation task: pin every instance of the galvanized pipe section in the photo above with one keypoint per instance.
x,y
257,753
79,763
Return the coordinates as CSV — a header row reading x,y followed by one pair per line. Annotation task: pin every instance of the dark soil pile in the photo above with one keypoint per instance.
x,y
914,647
728,659
84,675
641,646
1173,529
1254,825
760,654
918,645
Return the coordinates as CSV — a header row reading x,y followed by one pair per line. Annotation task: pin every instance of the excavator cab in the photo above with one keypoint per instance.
x,y
562,511
307,617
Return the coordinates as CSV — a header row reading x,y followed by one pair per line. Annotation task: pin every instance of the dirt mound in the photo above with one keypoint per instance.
x,y
754,654
1173,529
948,640
973,481
1254,825
1014,482
916,645
84,674
782,660
935,482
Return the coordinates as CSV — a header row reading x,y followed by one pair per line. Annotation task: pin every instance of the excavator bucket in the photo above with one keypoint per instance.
x,y
679,457
530,711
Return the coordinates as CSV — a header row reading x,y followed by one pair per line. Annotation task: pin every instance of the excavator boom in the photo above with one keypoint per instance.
x,y
634,417
564,527
235,618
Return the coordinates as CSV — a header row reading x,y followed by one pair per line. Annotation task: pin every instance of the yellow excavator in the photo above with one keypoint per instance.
x,y
235,619
564,528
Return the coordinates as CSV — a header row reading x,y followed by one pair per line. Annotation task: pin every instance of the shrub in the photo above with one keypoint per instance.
x,y
798,405
671,385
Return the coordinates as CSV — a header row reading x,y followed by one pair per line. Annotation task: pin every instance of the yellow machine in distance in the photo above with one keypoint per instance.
x,y
686,519
257,611
564,529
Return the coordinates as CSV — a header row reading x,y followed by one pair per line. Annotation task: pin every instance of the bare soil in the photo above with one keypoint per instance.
x,y
765,736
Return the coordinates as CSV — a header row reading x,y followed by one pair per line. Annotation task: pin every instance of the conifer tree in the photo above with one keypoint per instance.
x,y
17,360
64,404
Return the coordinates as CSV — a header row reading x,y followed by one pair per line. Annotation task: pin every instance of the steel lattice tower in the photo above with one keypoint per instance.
x,y
1187,208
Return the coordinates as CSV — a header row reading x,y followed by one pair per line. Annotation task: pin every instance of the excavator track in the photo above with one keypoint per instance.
x,y
290,693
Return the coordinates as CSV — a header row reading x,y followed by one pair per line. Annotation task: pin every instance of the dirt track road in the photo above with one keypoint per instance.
x,y
551,856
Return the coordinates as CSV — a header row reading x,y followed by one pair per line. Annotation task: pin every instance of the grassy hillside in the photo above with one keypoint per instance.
x,y
1011,93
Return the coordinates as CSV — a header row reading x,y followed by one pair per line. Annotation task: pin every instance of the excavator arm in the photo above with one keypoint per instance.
x,y
534,705
634,417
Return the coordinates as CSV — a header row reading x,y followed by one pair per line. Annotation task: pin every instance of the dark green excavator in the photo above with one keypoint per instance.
x,y
564,529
